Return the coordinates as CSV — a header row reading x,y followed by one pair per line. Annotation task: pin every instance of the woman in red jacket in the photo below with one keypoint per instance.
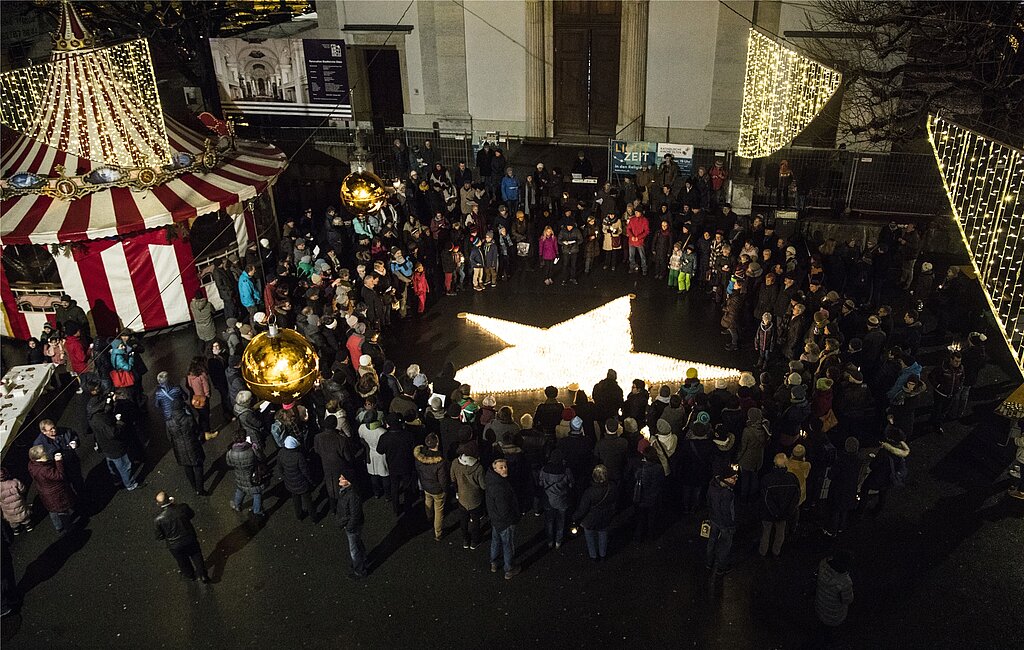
x,y
78,352
199,383
637,230
53,486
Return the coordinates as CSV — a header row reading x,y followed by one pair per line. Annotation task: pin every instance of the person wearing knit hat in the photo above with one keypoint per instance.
x,y
798,393
747,380
823,384
576,426
794,379
629,426
691,373
797,465
721,384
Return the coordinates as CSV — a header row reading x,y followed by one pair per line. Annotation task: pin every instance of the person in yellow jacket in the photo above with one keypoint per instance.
x,y
797,465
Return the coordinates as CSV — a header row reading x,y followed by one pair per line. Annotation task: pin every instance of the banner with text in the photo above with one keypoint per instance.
x,y
628,157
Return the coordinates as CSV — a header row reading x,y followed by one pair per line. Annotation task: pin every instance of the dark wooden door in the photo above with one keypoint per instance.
x,y
385,80
586,67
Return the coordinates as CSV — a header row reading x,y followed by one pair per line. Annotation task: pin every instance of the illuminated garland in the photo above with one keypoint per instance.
x,y
580,350
100,104
984,182
782,92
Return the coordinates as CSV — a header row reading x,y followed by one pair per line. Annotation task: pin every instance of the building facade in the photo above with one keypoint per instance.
x,y
668,70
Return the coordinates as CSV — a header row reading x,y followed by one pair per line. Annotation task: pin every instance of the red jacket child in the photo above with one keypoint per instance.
x,y
420,288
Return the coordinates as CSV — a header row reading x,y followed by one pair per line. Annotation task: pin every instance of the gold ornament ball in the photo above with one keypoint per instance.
x,y
280,368
362,193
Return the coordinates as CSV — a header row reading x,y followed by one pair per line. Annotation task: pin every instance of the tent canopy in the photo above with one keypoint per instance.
x,y
244,173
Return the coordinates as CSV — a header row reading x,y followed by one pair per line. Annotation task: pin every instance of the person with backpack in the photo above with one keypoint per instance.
x,y
251,473
887,468
556,480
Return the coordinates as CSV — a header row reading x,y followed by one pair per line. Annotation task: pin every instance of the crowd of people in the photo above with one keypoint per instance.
x,y
819,430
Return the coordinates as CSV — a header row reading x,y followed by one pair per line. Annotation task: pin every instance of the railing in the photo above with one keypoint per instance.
x,y
837,180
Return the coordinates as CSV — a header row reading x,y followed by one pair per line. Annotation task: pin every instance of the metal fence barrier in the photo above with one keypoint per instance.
x,y
835,179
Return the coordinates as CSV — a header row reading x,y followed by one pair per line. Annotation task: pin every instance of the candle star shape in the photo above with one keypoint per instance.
x,y
580,351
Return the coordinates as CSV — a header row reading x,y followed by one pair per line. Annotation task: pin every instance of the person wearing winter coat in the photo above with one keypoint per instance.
x,y
113,444
371,428
903,404
332,447
732,314
556,481
750,456
834,591
351,519
202,316
637,230
722,515
173,526
612,450
661,247
592,238
243,457
297,476
887,468
12,503
52,486
947,381
504,513
68,312
78,353
764,339
467,474
187,446
434,473
569,239
844,479
249,421
595,512
780,497
647,479
397,444
611,243
547,253
65,441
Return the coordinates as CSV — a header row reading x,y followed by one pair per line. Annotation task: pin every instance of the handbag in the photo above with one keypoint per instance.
x,y
260,473
638,488
122,378
705,528
829,421
198,401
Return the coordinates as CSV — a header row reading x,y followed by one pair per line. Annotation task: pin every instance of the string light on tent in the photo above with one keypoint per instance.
x,y
579,350
782,92
984,182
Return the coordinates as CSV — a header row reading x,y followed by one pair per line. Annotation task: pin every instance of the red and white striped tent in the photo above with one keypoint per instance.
x,y
121,253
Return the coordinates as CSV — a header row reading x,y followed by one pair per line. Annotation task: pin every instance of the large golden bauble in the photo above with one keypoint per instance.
x,y
362,193
280,368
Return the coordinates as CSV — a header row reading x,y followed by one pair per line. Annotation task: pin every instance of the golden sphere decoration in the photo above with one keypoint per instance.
x,y
279,366
362,193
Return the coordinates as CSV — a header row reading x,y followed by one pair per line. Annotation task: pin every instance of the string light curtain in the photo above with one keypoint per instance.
x,y
984,181
96,103
782,92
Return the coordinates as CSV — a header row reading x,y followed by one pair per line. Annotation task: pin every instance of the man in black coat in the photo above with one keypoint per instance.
x,y
549,412
174,527
780,496
396,445
607,397
350,518
503,510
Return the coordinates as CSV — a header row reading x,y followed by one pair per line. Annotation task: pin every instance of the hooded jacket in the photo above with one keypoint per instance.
x,y
556,480
432,469
468,475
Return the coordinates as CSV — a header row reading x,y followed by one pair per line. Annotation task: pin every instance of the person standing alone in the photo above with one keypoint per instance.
x,y
174,527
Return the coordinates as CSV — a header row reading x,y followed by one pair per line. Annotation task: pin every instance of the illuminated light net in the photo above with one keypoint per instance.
x,y
782,92
984,181
579,350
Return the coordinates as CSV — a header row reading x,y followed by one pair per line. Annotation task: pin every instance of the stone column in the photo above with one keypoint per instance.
x,y
536,102
633,69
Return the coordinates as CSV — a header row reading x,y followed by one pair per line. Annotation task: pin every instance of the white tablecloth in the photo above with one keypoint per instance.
x,y
22,386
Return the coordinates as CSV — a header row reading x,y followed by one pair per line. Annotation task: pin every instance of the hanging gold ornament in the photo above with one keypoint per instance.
x,y
279,366
362,193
